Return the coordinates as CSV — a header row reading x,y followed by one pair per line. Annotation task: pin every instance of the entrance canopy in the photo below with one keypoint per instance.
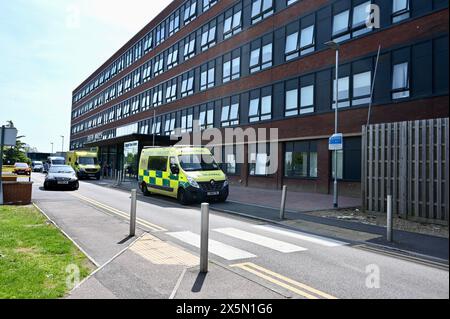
x,y
143,139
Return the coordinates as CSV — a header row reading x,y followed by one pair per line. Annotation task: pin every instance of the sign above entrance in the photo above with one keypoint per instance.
x,y
336,142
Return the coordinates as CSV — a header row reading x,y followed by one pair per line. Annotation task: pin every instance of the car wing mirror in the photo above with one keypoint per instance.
x,y
175,169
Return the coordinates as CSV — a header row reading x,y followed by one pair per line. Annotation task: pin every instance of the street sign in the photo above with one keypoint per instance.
x,y
336,142
10,136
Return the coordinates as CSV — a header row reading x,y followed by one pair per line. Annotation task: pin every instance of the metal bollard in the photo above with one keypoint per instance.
x,y
204,244
389,219
133,213
283,202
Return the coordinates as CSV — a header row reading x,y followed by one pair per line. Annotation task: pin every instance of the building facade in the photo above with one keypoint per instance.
x,y
264,64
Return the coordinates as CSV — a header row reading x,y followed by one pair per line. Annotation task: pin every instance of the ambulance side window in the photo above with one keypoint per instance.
x,y
157,163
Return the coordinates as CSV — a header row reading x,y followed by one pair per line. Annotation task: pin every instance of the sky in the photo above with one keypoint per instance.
x,y
48,47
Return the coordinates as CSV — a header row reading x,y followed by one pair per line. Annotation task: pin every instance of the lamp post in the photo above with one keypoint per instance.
x,y
62,147
52,147
335,46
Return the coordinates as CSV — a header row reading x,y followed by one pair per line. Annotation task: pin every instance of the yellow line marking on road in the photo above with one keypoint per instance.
x,y
110,209
282,281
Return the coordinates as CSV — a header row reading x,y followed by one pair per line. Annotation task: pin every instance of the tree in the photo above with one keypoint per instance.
x,y
12,155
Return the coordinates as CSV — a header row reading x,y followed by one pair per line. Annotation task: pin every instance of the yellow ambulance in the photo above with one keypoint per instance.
x,y
189,174
84,163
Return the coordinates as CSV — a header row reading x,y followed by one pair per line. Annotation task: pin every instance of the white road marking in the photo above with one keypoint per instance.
x,y
302,236
217,248
261,240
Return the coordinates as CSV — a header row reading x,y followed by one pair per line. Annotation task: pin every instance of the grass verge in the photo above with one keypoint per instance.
x,y
35,257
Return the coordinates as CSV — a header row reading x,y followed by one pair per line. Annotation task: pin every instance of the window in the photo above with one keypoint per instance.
x,y
172,58
344,92
137,78
190,11
206,119
157,163
189,48
400,10
171,91
260,109
186,123
296,46
174,23
362,85
259,156
169,127
135,106
261,58
261,9
156,127
229,162
157,97
230,114
300,159
400,81
147,71
187,85
145,101
343,29
160,34
232,69
306,98
348,160
233,23
159,65
208,37
207,4
207,79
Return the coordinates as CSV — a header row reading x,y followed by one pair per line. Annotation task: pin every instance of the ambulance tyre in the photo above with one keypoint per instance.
x,y
144,189
182,198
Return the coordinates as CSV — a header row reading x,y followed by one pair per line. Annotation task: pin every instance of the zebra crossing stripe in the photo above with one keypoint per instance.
x,y
261,240
217,248
302,236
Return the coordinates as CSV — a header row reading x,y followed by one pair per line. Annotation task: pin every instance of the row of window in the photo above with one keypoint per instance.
x,y
182,16
300,96
300,39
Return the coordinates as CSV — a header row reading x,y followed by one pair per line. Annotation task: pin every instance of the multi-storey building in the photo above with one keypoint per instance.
x,y
264,64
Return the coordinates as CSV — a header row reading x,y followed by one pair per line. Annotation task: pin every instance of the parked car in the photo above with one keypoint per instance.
x,y
61,176
37,166
53,160
22,169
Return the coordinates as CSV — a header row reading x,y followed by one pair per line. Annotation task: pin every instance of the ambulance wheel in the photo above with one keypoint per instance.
x,y
144,189
182,198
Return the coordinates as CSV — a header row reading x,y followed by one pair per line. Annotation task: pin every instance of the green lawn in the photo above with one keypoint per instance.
x,y
34,256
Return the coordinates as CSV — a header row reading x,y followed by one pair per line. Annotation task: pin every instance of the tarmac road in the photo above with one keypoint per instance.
x,y
297,264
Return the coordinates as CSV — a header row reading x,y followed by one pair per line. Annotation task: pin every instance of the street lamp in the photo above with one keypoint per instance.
x,y
62,148
52,147
335,46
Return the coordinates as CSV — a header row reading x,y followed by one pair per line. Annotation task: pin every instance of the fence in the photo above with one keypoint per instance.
x,y
408,160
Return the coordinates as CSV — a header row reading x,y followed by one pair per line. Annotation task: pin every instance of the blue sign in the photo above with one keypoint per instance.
x,y
336,142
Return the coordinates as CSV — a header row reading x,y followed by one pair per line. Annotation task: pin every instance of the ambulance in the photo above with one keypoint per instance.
x,y
189,174
85,164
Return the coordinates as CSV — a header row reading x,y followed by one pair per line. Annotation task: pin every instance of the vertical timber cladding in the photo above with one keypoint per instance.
x,y
408,160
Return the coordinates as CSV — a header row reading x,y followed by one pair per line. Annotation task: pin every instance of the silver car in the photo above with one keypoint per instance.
x,y
61,176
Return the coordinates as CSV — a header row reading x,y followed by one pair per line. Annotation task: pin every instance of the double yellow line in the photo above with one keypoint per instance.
x,y
284,282
119,213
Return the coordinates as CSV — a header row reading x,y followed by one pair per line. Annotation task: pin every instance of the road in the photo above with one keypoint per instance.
x,y
300,265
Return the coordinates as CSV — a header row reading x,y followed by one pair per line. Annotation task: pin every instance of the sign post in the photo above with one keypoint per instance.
x,y
8,137
336,143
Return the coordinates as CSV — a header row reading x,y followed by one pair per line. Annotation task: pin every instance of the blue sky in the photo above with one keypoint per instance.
x,y
48,47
